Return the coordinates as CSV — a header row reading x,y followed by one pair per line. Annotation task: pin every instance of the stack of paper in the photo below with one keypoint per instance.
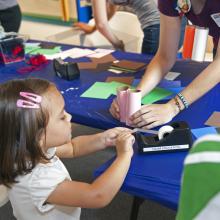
x,y
128,66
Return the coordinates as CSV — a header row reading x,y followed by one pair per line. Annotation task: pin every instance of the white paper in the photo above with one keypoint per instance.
x,y
73,53
78,52
199,44
53,56
172,75
31,44
100,53
115,71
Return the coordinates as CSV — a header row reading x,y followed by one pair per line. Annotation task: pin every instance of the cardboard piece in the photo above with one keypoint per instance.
x,y
106,59
214,120
127,80
129,65
87,65
103,66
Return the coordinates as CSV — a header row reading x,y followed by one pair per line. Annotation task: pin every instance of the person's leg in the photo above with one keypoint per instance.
x,y
10,19
151,39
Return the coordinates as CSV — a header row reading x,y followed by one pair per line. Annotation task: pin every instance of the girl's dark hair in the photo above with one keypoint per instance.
x,y
20,129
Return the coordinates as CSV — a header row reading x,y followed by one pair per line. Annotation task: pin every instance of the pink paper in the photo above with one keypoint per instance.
x,y
122,101
133,103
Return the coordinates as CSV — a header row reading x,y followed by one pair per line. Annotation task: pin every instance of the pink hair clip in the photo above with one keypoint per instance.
x,y
33,100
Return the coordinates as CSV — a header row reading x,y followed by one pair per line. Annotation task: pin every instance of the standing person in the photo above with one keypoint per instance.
x,y
35,132
199,13
146,11
10,15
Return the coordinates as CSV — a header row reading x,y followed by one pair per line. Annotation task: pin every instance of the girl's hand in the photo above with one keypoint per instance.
x,y
124,143
150,116
110,136
85,27
114,109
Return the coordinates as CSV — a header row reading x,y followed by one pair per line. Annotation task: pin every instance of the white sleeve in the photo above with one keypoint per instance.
x,y
43,182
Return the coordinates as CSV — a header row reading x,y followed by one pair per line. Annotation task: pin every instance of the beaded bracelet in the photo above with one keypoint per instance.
x,y
177,103
183,100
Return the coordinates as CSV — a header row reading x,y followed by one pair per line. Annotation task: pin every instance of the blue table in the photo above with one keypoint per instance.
x,y
157,176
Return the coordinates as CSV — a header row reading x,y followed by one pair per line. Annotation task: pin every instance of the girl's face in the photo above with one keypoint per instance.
x,y
58,130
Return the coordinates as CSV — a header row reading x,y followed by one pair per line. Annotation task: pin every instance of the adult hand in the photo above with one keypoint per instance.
x,y
114,109
150,116
119,45
85,27
110,136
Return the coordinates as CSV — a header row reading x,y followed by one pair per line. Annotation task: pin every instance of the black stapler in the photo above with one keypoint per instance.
x,y
177,139
66,70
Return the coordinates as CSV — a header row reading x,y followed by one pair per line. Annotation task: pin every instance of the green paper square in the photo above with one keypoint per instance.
x,y
155,95
98,90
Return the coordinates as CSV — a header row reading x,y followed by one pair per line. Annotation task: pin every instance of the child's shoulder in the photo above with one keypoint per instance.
x,y
44,173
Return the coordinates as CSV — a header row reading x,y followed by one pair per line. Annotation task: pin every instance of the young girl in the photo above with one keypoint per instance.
x,y
35,131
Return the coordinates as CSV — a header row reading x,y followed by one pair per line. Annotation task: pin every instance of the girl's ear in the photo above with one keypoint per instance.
x,y
42,141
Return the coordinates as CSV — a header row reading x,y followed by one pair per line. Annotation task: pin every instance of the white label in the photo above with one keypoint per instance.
x,y
216,18
166,148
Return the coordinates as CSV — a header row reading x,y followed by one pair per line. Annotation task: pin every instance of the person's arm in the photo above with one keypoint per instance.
x,y
88,29
87,144
161,63
103,11
104,188
165,56
204,82
157,114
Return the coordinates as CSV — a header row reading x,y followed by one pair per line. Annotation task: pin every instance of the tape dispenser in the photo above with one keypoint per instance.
x,y
170,138
66,70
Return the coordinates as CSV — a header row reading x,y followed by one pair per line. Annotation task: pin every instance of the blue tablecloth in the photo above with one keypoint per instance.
x,y
155,176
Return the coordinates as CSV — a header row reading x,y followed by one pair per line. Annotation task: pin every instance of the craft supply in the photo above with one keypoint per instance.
x,y
122,102
35,63
133,103
11,48
127,79
66,70
188,41
163,131
199,44
144,131
170,138
127,65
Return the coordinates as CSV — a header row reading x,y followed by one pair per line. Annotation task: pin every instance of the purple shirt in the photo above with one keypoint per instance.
x,y
203,19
